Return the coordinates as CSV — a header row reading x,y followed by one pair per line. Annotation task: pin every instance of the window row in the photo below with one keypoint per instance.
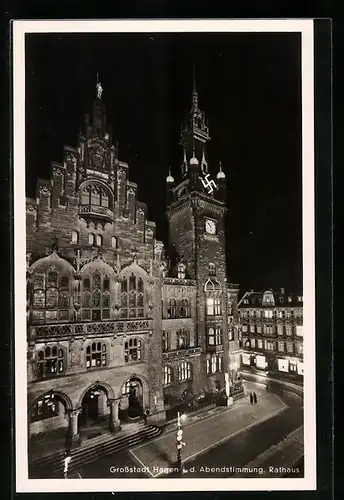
x,y
182,340
93,239
51,360
214,364
270,345
95,195
270,329
184,372
177,309
269,314
51,279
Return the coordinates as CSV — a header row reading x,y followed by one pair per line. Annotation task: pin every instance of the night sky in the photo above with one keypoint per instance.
x,y
249,86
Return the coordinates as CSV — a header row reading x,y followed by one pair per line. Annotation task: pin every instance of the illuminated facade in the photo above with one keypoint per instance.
x,y
116,324
271,332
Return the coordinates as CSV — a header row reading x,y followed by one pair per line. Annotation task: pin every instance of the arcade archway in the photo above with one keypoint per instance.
x,y
132,405
94,406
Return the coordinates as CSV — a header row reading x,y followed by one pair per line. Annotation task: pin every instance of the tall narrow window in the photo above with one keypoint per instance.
x,y
217,307
165,341
91,239
218,335
75,237
184,308
183,339
99,240
210,306
85,197
172,309
114,242
211,336
167,375
95,197
212,269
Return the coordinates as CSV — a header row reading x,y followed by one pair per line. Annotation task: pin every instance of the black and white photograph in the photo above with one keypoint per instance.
x,y
164,255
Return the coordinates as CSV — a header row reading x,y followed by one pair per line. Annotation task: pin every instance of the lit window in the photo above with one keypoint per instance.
x,y
181,270
218,335
253,342
91,239
211,336
99,240
45,407
290,299
288,329
217,307
259,329
290,347
96,355
184,371
114,242
281,346
280,329
75,237
95,197
252,328
210,306
167,375
50,361
132,350
267,314
260,344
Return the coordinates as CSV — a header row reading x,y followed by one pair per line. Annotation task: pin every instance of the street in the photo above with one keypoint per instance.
x,y
233,445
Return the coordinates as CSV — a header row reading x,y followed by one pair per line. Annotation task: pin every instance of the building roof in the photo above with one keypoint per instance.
x,y
270,298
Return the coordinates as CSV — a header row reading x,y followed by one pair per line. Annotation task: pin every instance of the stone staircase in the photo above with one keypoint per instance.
x,y
52,466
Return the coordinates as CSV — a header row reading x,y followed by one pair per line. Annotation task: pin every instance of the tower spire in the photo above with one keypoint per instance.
x,y
194,91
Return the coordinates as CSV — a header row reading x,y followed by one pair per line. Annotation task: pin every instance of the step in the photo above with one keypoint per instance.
x,y
89,443
86,454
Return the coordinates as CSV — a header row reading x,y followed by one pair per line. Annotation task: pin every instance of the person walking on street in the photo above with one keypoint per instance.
x,y
251,398
254,398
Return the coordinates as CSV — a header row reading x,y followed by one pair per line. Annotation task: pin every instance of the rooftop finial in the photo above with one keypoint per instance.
x,y
99,88
220,174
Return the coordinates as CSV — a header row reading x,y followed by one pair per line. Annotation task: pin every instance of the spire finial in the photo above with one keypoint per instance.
x,y
99,88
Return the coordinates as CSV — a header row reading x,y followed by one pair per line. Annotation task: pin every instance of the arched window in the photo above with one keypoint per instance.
x,y
183,339
184,308
95,197
75,237
214,364
167,375
50,361
45,407
96,355
99,240
181,270
104,199
211,336
218,335
132,303
217,307
165,341
212,269
91,239
132,350
184,371
114,242
172,309
96,305
85,197
50,297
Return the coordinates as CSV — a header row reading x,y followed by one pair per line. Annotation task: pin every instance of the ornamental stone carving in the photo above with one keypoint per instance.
x,y
44,190
75,353
71,158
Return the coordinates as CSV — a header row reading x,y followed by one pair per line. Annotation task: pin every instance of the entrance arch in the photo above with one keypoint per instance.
x,y
94,404
133,396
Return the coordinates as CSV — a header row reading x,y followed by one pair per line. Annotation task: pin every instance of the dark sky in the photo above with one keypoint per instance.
x,y
249,85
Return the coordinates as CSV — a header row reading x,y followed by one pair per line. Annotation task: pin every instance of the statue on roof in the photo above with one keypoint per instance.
x,y
99,90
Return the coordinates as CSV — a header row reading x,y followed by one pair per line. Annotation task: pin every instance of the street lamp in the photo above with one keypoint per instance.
x,y
179,443
67,458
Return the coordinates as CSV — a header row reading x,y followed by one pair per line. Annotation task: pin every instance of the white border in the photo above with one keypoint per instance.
x,y
305,27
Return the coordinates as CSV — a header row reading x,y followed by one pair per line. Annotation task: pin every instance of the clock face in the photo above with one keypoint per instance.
x,y
210,226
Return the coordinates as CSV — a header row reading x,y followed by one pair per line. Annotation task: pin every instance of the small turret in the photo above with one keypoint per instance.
x,y
169,188
221,182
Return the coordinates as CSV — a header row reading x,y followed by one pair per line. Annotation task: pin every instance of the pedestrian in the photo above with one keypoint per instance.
x,y
254,398
251,398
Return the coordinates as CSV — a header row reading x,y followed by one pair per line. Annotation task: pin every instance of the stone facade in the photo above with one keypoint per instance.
x,y
115,323
271,332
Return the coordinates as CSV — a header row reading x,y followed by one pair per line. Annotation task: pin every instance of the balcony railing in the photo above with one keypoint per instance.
x,y
96,211
90,328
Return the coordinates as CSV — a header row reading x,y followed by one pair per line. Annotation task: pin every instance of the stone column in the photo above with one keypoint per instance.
x,y
73,430
114,422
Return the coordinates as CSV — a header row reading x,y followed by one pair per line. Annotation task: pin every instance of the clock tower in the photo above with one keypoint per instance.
x,y
196,214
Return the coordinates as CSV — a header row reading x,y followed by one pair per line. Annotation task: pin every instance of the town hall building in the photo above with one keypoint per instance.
x,y
118,325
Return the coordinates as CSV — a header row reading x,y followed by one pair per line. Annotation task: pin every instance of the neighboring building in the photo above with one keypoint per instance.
x,y
116,325
271,331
